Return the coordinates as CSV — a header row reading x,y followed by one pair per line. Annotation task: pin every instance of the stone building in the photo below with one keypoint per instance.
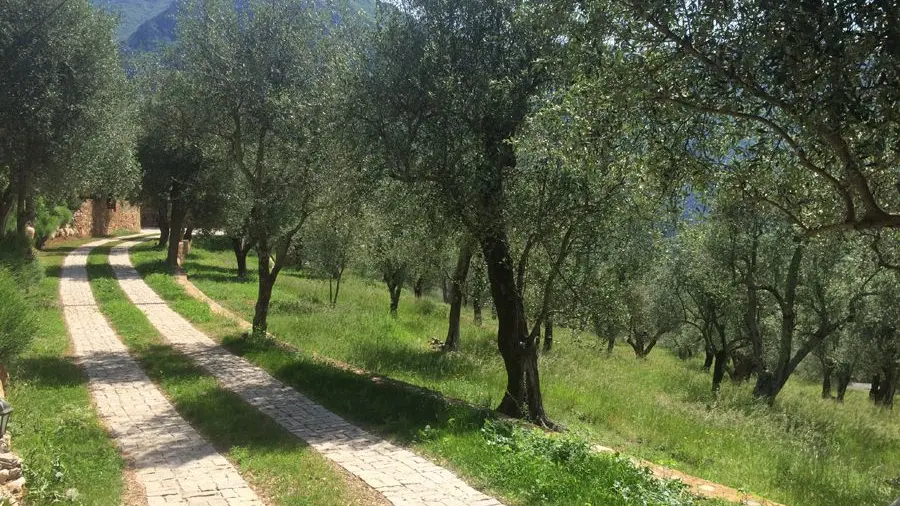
x,y
104,217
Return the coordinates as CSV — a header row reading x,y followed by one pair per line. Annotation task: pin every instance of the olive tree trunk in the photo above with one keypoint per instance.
x,y
457,282
518,348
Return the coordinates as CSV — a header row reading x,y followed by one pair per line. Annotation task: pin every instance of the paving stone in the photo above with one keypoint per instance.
x,y
144,424
401,476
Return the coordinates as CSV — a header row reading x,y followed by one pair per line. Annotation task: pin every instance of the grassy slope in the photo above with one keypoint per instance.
x,y
54,426
277,464
805,451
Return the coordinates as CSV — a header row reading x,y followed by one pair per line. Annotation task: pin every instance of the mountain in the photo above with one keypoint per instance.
x,y
132,13
155,32
159,30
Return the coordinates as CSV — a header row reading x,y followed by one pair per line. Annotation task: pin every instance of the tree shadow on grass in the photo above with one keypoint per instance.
x,y
425,363
216,274
219,415
48,372
386,407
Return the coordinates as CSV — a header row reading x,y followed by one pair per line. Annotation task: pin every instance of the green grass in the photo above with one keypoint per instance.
x,y
277,464
803,451
54,427
522,466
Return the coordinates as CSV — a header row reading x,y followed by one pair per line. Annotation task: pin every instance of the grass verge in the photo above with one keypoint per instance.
x,y
279,466
520,465
68,455
804,451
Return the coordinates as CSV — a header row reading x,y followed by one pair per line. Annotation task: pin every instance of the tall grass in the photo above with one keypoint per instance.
x,y
802,451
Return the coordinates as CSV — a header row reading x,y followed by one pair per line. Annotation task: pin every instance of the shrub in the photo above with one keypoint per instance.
x,y
26,269
570,472
48,220
17,321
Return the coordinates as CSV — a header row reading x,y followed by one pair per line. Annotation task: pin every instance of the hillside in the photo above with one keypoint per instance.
x,y
160,29
132,13
156,31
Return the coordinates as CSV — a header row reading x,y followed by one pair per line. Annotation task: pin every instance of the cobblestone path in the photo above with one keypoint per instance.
x,y
173,463
403,477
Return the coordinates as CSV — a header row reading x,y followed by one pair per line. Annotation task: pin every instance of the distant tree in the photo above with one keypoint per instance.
x,y
457,291
172,153
332,238
877,325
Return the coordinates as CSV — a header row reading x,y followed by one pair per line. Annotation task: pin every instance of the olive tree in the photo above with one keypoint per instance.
x,y
267,70
66,126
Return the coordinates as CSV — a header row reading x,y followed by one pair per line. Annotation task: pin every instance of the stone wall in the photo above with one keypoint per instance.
x,y
99,217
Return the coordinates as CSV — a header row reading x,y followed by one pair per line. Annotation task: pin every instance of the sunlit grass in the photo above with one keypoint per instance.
x,y
67,453
804,451
277,464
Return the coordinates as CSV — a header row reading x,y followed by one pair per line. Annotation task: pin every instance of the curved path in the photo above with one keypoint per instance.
x,y
401,476
173,463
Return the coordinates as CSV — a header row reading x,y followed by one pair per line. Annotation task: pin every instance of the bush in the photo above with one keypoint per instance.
x,y
48,220
17,322
563,469
26,269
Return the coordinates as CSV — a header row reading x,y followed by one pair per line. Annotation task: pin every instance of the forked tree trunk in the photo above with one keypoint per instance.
x,y
770,383
241,248
336,279
395,290
457,283
522,398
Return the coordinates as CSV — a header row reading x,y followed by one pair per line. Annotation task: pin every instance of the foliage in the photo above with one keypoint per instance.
x,y
614,479
66,115
48,220
17,319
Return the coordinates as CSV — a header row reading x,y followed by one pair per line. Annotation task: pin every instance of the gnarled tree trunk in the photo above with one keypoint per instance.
x,y
522,398
268,273
241,247
457,283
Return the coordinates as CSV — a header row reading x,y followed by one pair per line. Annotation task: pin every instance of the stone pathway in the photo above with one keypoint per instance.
x,y
173,463
403,477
